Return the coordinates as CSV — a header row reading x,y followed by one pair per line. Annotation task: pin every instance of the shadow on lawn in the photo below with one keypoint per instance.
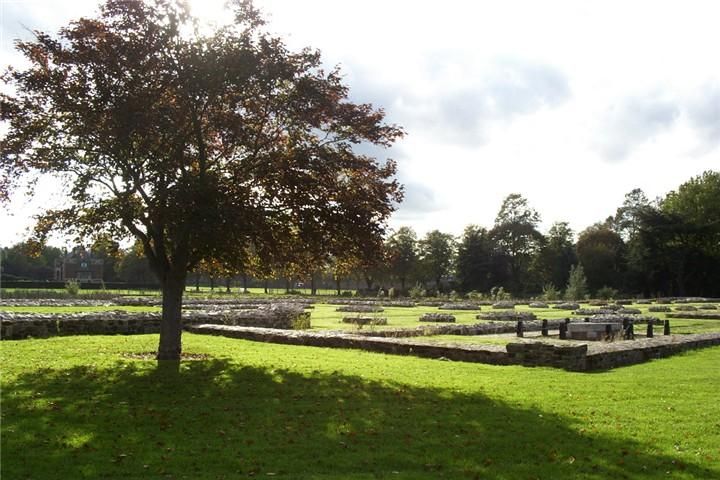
x,y
214,419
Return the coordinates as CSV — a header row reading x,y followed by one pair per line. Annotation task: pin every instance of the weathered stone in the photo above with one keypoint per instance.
x,y
365,320
437,317
538,305
360,308
22,325
566,306
506,316
459,306
659,308
504,305
592,331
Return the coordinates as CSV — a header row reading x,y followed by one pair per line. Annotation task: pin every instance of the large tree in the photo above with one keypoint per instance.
x,y
601,252
436,252
201,146
402,252
556,256
517,239
679,241
475,260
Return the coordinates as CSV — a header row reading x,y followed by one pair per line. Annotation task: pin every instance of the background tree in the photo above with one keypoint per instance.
x,y
196,145
679,241
556,255
401,247
516,238
133,267
601,251
109,251
22,262
436,255
627,217
474,260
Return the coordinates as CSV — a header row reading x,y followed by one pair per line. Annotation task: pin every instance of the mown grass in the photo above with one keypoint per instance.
x,y
75,407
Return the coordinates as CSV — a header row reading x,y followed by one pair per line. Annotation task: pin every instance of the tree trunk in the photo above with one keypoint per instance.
x,y
171,324
313,288
244,278
227,284
266,286
337,284
197,282
212,284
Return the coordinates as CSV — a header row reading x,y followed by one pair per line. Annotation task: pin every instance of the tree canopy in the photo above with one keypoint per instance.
x,y
204,147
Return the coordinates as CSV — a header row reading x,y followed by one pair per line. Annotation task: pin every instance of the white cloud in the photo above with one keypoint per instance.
x,y
632,121
571,103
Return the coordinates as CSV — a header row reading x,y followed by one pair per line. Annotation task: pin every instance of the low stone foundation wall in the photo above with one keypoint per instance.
x,y
571,356
154,301
485,328
15,326
539,354
612,355
466,353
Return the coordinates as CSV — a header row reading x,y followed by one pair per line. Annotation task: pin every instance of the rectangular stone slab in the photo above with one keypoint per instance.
x,y
591,331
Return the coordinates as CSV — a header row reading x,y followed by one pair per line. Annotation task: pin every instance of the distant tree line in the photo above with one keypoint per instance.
x,y
664,247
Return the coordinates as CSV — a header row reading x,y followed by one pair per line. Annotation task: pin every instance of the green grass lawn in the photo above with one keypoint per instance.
x,y
76,407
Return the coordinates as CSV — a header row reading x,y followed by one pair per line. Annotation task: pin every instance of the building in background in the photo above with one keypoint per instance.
x,y
79,265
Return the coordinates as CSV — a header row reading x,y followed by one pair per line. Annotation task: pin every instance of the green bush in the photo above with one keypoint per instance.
x,y
577,284
475,295
550,292
499,293
72,287
417,291
606,293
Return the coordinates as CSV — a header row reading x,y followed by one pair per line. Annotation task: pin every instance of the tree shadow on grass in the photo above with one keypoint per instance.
x,y
214,419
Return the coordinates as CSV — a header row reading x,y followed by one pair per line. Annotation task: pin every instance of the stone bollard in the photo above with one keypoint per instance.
x,y
666,327
563,331
630,332
544,329
626,328
519,328
649,333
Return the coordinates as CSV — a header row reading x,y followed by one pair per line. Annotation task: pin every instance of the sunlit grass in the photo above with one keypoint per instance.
x,y
77,407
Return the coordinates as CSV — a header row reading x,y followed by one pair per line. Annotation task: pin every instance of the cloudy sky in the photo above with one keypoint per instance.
x,y
573,104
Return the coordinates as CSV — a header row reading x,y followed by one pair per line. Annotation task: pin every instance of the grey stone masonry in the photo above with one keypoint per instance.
x,y
14,326
567,355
